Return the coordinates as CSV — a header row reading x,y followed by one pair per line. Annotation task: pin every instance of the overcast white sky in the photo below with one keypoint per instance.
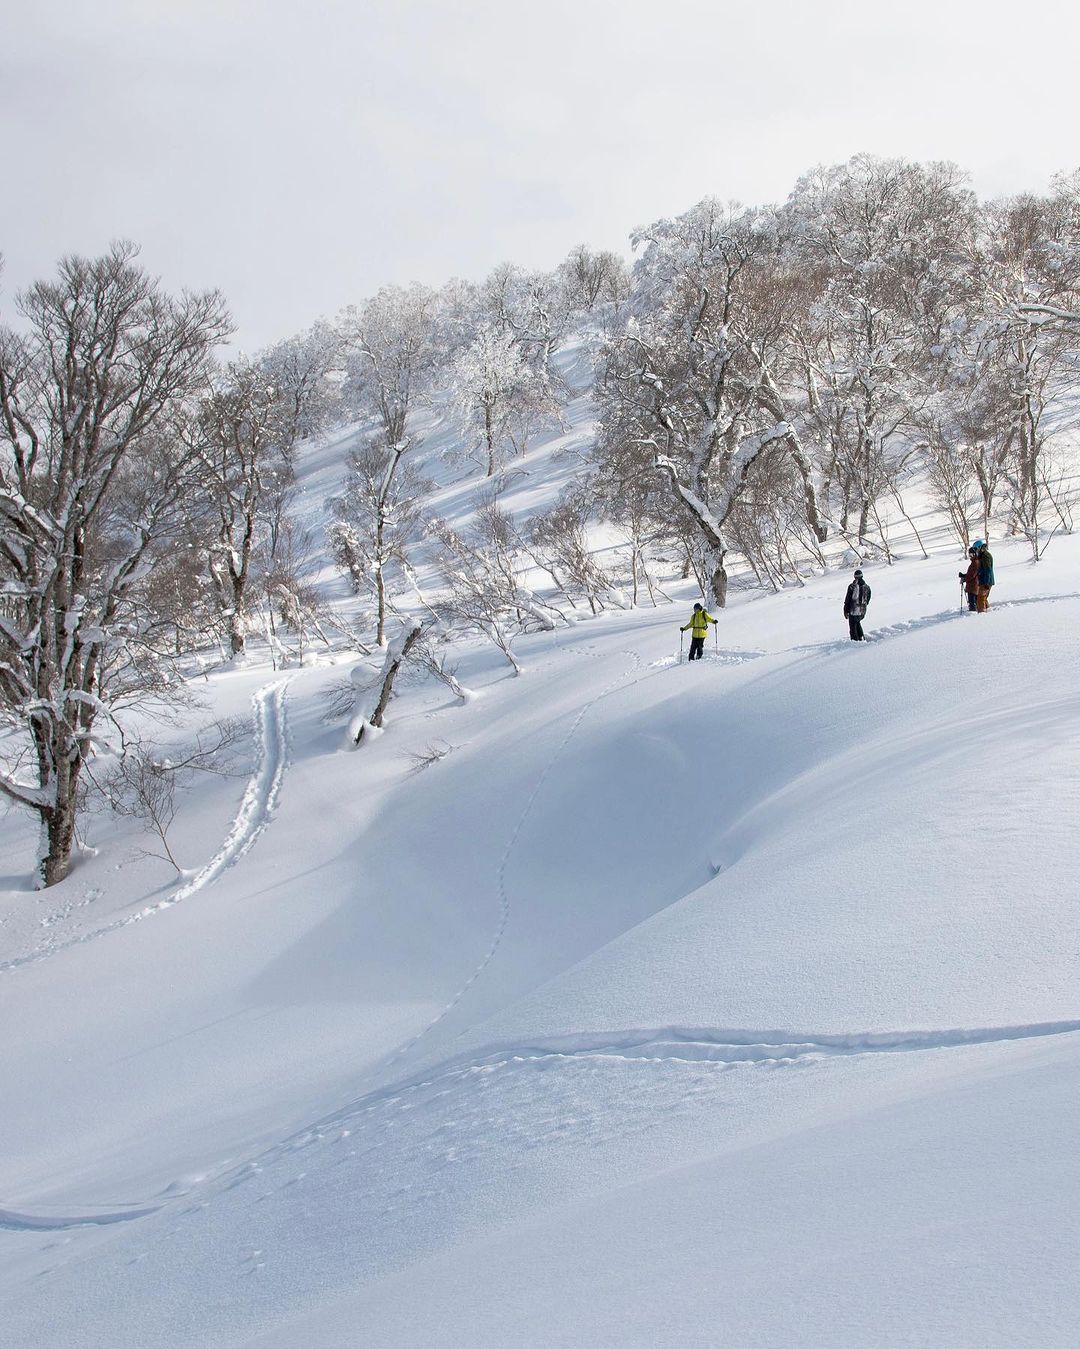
x,y
300,155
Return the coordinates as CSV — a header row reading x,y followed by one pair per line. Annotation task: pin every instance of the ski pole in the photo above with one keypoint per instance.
x,y
680,645
963,593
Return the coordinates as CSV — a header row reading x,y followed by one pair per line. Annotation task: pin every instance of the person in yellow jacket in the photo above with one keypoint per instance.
x,y
699,626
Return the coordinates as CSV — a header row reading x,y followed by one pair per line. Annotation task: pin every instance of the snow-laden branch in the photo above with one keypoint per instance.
x,y
708,520
1049,311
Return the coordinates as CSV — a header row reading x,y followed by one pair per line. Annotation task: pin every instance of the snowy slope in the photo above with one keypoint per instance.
x,y
729,1003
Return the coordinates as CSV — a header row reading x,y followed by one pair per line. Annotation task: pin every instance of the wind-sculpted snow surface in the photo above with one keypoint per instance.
x,y
563,1133
634,672
682,1005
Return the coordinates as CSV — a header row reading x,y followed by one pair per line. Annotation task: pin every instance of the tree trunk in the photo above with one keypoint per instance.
x,y
59,829
391,674
719,584
236,619
489,434
380,594
236,635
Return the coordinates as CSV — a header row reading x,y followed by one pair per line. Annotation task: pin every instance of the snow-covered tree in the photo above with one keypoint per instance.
x,y
593,277
498,396
287,566
100,368
686,387
486,591
373,697
535,309
243,442
378,518
300,369
390,343
882,244
1028,262
558,540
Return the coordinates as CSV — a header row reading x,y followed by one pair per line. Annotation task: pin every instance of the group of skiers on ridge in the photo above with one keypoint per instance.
x,y
978,582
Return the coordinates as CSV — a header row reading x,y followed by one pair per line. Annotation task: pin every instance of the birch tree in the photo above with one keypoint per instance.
x,y
485,590
686,388
392,341
593,277
103,361
243,442
1028,269
534,308
300,370
883,242
372,700
390,346
497,396
378,517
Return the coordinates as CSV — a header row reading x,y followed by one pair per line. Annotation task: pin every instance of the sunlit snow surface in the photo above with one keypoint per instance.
x,y
732,1003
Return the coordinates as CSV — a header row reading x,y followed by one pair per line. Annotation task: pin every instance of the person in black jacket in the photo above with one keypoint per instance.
x,y
856,602
970,579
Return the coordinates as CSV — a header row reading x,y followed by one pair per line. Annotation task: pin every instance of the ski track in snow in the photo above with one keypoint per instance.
x,y
713,657
619,682
664,1047
500,883
929,621
260,799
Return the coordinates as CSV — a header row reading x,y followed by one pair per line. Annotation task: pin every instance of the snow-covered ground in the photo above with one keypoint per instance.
x,y
732,1003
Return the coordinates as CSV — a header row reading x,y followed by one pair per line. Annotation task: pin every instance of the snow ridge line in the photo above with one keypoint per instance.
x,y
503,897
666,1045
13,1221
677,1043
674,1044
663,1045
256,808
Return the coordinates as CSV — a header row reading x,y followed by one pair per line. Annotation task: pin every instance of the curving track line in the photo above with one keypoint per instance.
x,y
726,1049
260,799
618,683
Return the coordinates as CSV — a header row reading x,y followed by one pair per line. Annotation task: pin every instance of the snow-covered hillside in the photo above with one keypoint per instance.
x,y
726,1003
